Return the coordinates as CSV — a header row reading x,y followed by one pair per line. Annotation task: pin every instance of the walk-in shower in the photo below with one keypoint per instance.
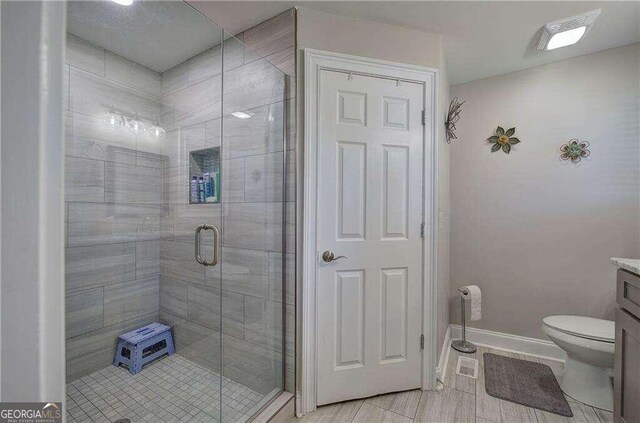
x,y
172,124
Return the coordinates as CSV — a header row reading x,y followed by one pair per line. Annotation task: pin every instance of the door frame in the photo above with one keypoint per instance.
x,y
314,62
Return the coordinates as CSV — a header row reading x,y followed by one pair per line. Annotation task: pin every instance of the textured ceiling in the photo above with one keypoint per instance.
x,y
158,34
480,38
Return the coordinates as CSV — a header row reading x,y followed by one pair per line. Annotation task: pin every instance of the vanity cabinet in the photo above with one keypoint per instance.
x,y
626,408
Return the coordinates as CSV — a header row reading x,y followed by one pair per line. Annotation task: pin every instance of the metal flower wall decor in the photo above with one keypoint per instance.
x,y
503,139
453,116
575,150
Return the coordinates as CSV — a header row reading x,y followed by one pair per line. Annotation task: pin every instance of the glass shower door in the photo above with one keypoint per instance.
x,y
190,291
143,116
253,212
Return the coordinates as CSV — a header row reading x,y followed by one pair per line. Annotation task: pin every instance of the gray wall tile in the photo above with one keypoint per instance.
x,y
173,296
177,261
175,78
91,351
198,103
244,224
129,73
234,52
196,342
132,184
263,179
84,311
252,365
188,217
276,282
233,314
129,300
256,84
99,265
147,259
90,138
101,223
232,181
213,133
93,95
263,322
84,180
204,306
205,65
272,35
284,60
245,271
261,134
84,55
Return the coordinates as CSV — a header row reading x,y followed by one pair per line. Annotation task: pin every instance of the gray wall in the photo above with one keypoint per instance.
x,y
114,203
250,216
536,234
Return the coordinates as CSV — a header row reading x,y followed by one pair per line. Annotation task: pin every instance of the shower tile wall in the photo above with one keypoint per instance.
x,y
113,199
251,209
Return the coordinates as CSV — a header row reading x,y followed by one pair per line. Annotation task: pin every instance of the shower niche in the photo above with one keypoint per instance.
x,y
204,176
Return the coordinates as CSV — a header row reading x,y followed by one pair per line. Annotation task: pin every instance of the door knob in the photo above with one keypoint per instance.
x,y
328,256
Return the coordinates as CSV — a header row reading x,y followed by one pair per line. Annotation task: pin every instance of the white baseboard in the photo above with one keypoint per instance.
x,y
513,343
441,370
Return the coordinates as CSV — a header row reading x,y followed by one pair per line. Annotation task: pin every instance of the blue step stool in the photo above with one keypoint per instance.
x,y
142,346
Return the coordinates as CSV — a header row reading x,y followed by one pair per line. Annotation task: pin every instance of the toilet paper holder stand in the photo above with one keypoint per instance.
x,y
463,345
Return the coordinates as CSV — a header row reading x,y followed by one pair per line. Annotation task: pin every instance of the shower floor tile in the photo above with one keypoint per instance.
x,y
172,389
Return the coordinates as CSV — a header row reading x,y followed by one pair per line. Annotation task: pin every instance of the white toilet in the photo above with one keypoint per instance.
x,y
589,344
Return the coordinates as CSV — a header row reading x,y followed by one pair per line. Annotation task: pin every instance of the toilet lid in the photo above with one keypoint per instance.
x,y
584,327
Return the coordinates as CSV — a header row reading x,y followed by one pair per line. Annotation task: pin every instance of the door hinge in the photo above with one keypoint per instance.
x,y
422,342
424,118
422,230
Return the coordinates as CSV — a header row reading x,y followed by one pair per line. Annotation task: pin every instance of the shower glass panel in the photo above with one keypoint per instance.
x,y
172,125
253,158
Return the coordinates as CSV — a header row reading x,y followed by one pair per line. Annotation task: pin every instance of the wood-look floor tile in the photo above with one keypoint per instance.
x,y
512,412
604,416
403,403
582,413
448,405
455,381
371,414
481,420
342,412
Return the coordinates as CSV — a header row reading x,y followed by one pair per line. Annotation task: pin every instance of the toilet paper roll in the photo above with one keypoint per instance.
x,y
472,293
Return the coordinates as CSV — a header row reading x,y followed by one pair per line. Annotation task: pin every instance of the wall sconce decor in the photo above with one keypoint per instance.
x,y
452,118
134,124
575,150
503,139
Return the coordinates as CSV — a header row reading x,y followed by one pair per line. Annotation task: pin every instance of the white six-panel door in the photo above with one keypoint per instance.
x,y
370,157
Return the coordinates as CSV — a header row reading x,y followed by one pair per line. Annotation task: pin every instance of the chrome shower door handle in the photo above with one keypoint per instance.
x,y
216,247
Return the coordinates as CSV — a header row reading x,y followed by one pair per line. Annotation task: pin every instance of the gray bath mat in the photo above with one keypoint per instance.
x,y
524,382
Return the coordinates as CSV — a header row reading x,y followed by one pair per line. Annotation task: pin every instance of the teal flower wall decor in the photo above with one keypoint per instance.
x,y
575,150
503,139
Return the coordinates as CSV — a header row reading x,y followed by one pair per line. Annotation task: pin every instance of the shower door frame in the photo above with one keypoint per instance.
x,y
314,62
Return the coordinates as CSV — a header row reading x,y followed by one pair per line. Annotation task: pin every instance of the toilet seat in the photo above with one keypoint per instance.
x,y
583,327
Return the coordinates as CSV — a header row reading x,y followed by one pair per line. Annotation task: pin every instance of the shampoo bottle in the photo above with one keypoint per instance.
x,y
194,190
201,190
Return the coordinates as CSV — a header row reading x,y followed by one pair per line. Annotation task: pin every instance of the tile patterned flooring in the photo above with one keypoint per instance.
x,y
172,389
461,400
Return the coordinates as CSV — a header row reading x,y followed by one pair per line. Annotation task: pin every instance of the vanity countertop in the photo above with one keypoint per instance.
x,y
632,265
